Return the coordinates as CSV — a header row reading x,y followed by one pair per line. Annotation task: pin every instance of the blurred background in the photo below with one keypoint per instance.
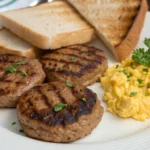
x,y
15,4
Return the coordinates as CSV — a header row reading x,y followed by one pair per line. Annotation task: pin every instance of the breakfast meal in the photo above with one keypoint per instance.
x,y
48,26
47,43
118,23
76,64
58,112
127,86
17,75
12,44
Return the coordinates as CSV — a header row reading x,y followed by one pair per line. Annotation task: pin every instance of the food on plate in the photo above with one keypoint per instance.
x,y
78,64
118,23
11,44
142,56
127,86
57,112
48,26
17,75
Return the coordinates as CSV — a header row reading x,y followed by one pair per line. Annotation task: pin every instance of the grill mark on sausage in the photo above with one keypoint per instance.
x,y
63,61
20,83
45,98
59,95
97,60
78,74
67,115
91,49
82,68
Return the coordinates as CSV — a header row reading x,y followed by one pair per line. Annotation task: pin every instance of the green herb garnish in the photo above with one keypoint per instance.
x,y
132,65
23,73
117,66
126,73
84,99
21,131
147,42
133,93
142,56
140,86
13,123
69,84
81,90
139,81
72,57
145,69
11,69
20,63
59,107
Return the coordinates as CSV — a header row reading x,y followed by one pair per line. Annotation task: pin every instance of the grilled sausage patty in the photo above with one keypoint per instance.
x,y
58,112
77,64
17,75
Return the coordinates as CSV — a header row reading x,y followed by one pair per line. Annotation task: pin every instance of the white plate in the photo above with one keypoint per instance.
x,y
15,4
113,133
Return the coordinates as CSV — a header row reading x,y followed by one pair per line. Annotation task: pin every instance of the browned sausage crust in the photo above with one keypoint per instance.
x,y
40,120
79,64
17,75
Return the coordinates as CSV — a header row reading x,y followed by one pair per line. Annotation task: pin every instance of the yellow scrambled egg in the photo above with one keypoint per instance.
x,y
127,90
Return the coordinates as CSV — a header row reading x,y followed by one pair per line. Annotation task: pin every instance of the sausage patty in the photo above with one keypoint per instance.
x,y
79,64
59,112
17,75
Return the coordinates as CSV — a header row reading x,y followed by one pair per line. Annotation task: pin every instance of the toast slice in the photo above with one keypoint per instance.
x,y
118,23
11,44
48,26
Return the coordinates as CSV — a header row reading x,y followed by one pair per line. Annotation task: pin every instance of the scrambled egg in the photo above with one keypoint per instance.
x,y
127,90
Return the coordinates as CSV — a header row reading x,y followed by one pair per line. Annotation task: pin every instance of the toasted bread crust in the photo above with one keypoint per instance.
x,y
120,38
37,115
124,49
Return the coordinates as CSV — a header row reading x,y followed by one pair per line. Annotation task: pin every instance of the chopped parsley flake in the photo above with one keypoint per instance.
x,y
84,99
139,81
69,84
81,90
21,131
20,63
117,66
13,123
145,69
126,73
59,107
72,57
140,86
11,69
133,93
23,73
